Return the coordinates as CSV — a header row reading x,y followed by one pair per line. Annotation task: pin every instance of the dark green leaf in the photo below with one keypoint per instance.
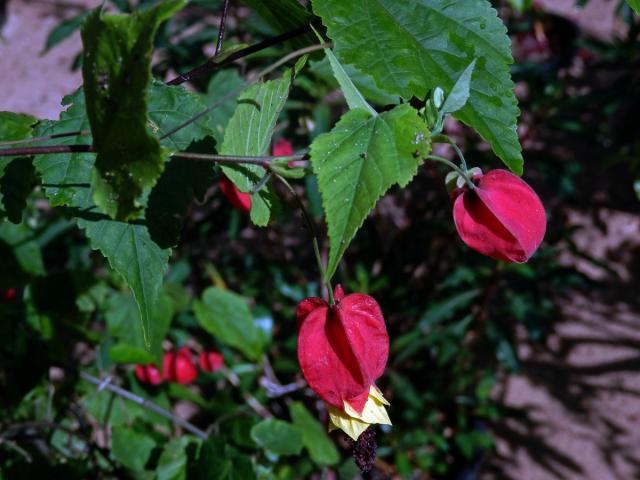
x,y
314,436
221,85
277,436
358,161
64,30
414,46
172,464
217,459
15,186
117,71
226,315
130,448
284,16
19,254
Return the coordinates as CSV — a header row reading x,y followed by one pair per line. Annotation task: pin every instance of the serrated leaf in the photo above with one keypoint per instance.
x,y
15,126
460,92
226,315
635,5
414,46
358,161
363,82
116,70
249,133
314,436
351,93
130,448
277,436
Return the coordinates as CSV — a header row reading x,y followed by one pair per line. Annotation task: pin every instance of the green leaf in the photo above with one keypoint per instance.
x,y
277,436
172,464
351,94
217,459
284,16
249,133
460,92
130,448
15,186
221,85
123,353
63,31
520,5
635,5
117,71
20,254
358,161
226,315
127,246
414,46
314,436
363,82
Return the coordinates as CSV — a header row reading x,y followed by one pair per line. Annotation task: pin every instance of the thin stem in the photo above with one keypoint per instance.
x,y
212,65
312,230
121,392
81,133
225,9
236,91
453,166
446,139
250,399
26,151
262,161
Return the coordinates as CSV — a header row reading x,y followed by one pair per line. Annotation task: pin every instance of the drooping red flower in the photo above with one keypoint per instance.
x,y
210,361
282,148
342,349
148,374
502,217
178,366
241,201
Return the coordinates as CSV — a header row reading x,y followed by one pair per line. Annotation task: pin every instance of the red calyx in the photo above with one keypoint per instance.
x,y
283,148
502,217
241,201
178,366
343,348
8,295
148,374
210,361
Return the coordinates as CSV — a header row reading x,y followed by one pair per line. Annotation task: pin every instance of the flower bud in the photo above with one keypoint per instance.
x,y
178,367
148,374
241,201
502,217
210,361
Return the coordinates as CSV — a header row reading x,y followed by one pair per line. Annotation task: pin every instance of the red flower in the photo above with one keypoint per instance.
x,y
8,295
282,148
210,361
502,217
178,366
240,201
342,349
148,374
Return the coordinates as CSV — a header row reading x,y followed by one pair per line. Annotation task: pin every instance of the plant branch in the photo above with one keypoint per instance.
x,y
236,91
262,161
212,65
121,392
225,9
81,133
26,151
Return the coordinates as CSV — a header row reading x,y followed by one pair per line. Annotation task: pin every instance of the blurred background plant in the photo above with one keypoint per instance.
x,y
455,318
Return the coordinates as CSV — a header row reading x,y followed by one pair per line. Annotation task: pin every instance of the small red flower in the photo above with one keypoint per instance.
x,y
502,217
8,295
342,349
178,366
282,148
148,374
241,201
210,361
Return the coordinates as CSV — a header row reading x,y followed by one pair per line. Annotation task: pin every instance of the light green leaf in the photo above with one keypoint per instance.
x,y
130,448
413,46
15,126
123,353
277,436
363,82
351,94
635,5
249,133
314,436
117,71
221,85
460,92
172,464
226,315
358,161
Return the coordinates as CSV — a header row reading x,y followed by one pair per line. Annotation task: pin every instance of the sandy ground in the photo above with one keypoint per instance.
x,y
577,396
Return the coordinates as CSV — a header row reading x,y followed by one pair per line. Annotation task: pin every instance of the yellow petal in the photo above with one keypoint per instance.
x,y
349,425
353,423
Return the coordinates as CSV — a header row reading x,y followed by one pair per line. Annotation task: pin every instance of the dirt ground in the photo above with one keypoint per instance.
x,y
577,397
